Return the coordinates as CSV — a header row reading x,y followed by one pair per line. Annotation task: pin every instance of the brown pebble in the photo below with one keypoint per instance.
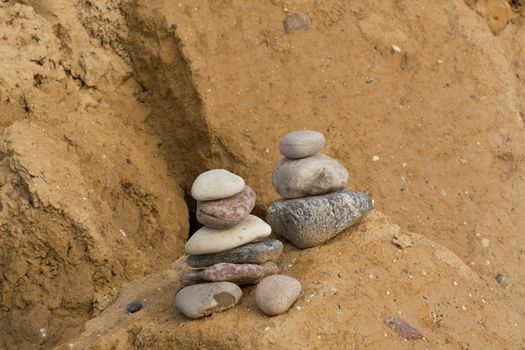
x,y
402,328
227,212
276,294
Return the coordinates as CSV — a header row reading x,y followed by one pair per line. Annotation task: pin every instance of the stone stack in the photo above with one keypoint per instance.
x,y
315,208
229,250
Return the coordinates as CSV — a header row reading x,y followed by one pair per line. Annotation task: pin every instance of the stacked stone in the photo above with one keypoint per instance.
x,y
229,250
315,208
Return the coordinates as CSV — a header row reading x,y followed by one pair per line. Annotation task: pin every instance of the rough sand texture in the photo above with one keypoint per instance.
x,y
349,287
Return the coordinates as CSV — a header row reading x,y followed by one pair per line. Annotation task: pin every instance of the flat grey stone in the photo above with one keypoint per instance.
x,y
207,240
236,273
301,144
309,222
216,184
251,253
204,299
311,176
276,294
227,212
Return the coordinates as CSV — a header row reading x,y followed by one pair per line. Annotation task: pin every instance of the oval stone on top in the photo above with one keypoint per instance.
x,y
301,144
216,184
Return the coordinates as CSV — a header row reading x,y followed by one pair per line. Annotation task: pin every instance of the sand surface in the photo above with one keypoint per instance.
x,y
110,109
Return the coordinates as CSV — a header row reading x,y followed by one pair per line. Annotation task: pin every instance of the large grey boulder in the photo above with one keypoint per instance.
x,y
309,222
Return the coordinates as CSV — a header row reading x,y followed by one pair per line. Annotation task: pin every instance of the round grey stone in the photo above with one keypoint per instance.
x,y
251,253
216,184
204,299
301,144
311,176
309,222
276,294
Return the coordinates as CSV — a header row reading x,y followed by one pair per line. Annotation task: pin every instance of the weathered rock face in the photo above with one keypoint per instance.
x,y
309,222
86,203
350,285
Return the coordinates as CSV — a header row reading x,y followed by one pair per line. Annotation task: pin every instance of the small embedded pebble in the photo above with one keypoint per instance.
x,y
501,278
301,144
395,48
216,184
134,306
276,294
401,240
204,299
297,21
402,328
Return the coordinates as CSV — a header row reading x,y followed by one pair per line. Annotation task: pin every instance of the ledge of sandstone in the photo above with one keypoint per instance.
x,y
351,285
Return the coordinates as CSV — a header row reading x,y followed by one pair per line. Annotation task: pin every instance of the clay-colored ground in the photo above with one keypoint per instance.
x,y
349,287
108,112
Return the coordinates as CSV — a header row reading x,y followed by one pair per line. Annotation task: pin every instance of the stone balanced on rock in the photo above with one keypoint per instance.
x,y
228,250
314,209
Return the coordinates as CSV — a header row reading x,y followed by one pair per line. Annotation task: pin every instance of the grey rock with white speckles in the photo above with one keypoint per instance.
x,y
309,222
251,253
